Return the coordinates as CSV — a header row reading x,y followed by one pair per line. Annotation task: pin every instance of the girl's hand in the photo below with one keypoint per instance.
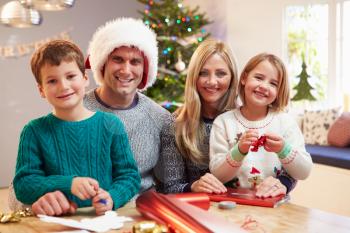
x,y
247,139
274,143
84,187
270,187
208,184
102,202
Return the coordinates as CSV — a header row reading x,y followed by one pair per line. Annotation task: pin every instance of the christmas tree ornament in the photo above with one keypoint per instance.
x,y
180,65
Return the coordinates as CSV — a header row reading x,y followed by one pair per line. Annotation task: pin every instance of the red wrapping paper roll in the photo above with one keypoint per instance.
x,y
180,216
159,208
200,200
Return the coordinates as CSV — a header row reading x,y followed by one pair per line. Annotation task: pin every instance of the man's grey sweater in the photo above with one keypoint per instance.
x,y
146,124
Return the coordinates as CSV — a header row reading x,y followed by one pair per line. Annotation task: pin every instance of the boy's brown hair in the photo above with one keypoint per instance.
x,y
53,53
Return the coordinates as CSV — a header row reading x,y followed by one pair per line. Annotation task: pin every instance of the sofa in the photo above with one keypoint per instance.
x,y
327,136
330,155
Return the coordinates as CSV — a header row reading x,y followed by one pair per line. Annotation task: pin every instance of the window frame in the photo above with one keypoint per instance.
x,y
334,91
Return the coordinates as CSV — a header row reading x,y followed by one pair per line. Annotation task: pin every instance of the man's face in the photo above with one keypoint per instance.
x,y
123,71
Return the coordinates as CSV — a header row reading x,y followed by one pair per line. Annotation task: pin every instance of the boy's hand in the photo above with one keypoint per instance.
x,y
84,187
247,139
102,202
274,143
53,203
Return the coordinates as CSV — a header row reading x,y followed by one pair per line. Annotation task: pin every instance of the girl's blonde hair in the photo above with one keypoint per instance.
x,y
189,127
282,98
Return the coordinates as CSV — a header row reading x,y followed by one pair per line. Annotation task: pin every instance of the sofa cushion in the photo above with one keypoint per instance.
x,y
330,155
339,133
316,125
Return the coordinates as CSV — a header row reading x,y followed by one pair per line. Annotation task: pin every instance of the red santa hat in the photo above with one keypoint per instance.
x,y
124,32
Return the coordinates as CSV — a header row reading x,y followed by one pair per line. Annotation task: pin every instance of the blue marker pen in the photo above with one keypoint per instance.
x,y
103,201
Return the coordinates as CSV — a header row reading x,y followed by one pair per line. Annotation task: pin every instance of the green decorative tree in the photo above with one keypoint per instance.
x,y
179,30
303,88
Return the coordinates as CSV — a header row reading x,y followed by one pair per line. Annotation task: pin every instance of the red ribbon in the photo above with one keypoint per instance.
x,y
260,142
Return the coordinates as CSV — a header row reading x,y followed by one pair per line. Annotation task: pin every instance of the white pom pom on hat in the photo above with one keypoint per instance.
x,y
124,32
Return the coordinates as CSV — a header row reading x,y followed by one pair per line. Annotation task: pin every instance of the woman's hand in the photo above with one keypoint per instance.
x,y
247,139
208,184
270,187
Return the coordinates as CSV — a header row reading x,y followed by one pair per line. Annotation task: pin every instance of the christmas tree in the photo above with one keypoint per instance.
x,y
303,88
179,30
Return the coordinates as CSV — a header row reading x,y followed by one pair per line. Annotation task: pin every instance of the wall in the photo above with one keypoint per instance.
x,y
249,26
216,13
20,100
255,27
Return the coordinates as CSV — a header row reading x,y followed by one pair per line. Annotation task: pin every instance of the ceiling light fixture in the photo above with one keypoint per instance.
x,y
48,5
14,14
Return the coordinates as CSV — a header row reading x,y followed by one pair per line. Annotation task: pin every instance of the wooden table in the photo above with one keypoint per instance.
x,y
286,218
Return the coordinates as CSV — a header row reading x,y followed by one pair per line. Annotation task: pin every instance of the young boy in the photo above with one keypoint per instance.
x,y
84,154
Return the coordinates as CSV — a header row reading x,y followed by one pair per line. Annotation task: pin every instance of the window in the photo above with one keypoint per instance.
x,y
343,50
319,34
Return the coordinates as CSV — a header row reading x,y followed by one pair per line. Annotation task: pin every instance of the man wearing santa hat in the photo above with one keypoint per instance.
x,y
123,56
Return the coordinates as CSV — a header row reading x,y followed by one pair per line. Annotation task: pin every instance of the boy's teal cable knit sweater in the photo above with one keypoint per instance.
x,y
52,152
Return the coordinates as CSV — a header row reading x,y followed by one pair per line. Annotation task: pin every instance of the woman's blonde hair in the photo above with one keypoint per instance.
x,y
189,127
282,98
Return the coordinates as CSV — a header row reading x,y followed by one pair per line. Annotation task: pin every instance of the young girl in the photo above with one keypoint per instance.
x,y
258,139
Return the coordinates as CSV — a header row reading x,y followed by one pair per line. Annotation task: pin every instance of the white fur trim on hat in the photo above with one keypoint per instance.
x,y
123,32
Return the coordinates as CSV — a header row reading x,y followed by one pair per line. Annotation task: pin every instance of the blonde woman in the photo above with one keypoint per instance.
x,y
211,89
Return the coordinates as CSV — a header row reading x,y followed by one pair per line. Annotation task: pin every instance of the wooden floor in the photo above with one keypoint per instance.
x,y
327,188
